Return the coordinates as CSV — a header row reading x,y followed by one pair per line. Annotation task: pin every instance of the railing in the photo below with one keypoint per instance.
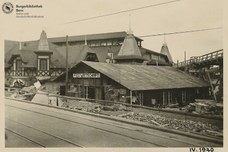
x,y
20,73
199,59
29,73
43,73
108,102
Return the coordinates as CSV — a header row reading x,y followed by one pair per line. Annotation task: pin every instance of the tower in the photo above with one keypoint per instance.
x,y
129,51
165,51
43,56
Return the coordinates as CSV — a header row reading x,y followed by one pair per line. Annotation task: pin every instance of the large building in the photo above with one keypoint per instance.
x,y
130,83
45,58
110,66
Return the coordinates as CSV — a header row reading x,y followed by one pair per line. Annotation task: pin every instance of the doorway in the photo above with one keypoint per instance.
x,y
63,90
91,93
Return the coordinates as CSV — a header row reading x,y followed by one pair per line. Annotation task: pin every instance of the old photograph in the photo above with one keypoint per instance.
x,y
113,74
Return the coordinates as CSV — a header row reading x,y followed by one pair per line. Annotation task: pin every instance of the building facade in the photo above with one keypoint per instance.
x,y
45,59
128,83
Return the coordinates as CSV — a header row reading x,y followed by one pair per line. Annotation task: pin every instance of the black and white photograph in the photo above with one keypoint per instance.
x,y
113,74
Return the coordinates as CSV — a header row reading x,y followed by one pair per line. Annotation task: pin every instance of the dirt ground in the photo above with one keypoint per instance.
x,y
163,119
199,125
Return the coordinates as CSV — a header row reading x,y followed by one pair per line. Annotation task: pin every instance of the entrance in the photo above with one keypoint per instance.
x,y
63,90
91,93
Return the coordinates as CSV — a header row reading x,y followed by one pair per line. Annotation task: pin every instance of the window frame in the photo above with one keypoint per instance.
x,y
42,65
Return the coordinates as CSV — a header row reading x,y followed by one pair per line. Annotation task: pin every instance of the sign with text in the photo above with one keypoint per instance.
x,y
86,75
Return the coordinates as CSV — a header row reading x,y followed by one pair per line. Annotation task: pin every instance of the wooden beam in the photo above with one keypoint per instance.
x,y
212,87
66,89
131,97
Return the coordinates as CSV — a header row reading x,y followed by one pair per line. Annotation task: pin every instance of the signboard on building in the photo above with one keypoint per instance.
x,y
86,75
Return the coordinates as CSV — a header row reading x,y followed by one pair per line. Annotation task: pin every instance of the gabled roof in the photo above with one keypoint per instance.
x,y
144,50
10,48
165,51
111,35
129,49
29,57
142,77
58,56
157,62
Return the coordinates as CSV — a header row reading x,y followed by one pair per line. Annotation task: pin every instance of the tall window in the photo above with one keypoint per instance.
x,y
43,64
167,97
184,95
18,64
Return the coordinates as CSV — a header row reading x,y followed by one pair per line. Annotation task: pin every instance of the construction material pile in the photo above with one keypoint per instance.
x,y
81,105
184,125
206,107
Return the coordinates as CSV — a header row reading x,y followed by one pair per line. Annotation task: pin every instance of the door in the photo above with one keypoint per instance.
x,y
63,90
91,93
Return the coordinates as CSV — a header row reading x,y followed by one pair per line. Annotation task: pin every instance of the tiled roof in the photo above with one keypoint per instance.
x,y
100,36
142,77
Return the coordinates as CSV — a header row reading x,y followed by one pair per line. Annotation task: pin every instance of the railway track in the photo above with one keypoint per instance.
x,y
22,137
41,131
141,134
116,125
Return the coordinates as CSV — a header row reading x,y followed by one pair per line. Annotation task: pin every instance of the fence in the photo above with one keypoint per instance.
x,y
107,102
200,59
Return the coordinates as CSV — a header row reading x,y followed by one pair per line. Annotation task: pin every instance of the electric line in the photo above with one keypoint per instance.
x,y
170,33
181,32
124,11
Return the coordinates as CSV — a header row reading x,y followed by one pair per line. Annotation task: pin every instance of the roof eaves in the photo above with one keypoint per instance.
x,y
85,62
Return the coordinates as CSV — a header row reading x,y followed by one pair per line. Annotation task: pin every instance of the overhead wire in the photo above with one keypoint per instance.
x,y
119,12
181,32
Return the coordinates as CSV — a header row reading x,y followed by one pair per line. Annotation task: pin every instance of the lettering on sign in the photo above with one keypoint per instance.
x,y
86,75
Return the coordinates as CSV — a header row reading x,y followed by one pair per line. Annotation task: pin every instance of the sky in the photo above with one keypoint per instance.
x,y
173,17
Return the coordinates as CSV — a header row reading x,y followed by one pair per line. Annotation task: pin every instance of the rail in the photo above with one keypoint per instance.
x,y
199,59
29,73
107,102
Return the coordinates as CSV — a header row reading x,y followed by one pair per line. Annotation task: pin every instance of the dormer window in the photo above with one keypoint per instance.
x,y
18,64
43,64
91,57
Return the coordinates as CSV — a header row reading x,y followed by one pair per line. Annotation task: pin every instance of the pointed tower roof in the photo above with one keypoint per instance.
x,y
129,49
43,45
165,51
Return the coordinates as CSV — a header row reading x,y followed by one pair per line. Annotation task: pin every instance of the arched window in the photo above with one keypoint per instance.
x,y
91,57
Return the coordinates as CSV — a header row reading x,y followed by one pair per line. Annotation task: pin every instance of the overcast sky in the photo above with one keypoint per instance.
x,y
178,16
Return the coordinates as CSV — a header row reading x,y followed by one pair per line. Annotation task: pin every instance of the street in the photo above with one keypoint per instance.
x,y
30,125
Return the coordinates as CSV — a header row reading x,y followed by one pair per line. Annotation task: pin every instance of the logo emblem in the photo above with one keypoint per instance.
x,y
7,7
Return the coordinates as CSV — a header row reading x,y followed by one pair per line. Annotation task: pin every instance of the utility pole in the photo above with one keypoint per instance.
x,y
66,89
185,56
